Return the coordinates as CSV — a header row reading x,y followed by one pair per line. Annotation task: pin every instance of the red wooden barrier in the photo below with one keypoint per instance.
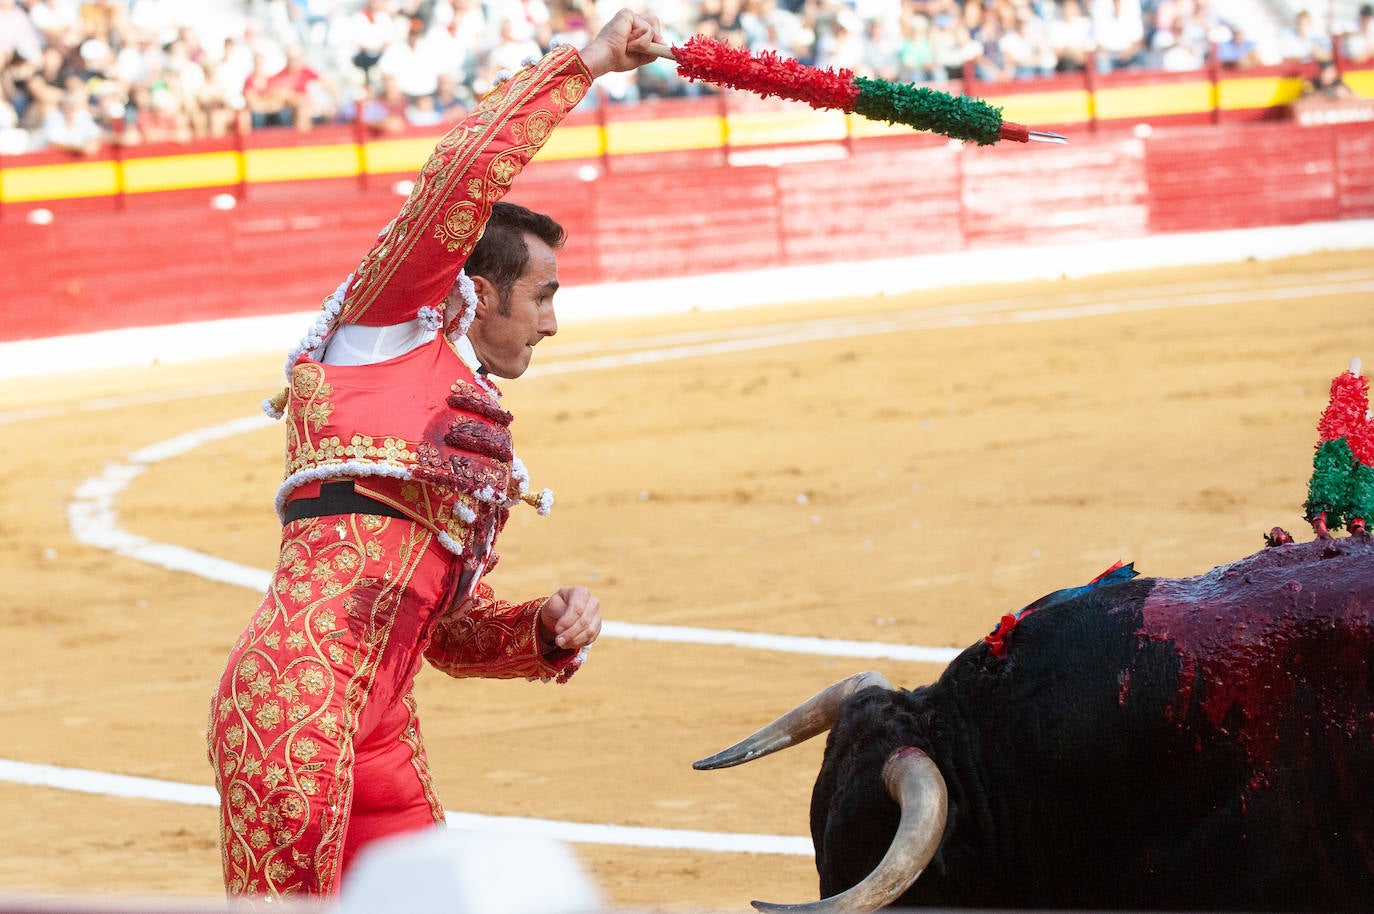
x,y
288,245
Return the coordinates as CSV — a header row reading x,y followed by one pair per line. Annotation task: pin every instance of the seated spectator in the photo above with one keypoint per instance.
x,y
1179,49
372,30
1238,52
1071,38
843,47
95,60
265,104
1359,44
185,75
421,112
1026,46
235,64
411,63
916,56
1305,41
158,118
515,46
987,30
953,44
880,51
384,111
214,108
140,60
311,99
769,27
1120,32
70,127
755,19
49,81
189,39
451,99
293,96
114,114
457,34
1327,84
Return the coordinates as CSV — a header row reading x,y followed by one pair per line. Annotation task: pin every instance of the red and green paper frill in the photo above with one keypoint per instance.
x,y
768,74
1341,491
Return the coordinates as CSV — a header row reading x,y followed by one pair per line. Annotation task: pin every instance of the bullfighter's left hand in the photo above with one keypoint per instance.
x,y
570,619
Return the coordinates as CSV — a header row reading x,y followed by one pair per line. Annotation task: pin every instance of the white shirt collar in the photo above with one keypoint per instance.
x,y
463,346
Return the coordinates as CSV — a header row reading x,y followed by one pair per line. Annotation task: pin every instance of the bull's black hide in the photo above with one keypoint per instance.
x,y
1205,743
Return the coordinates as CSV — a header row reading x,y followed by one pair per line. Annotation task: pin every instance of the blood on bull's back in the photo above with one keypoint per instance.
x,y
1197,743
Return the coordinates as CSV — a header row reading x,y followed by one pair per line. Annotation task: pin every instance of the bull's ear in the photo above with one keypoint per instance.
x,y
814,716
918,787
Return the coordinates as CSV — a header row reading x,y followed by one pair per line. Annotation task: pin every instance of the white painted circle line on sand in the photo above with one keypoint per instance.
x,y
138,788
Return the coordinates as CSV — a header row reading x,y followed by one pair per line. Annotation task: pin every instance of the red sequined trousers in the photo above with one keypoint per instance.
x,y
313,734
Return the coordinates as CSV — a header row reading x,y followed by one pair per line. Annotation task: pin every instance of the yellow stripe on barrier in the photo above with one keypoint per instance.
x,y
585,142
59,182
862,127
1362,81
305,163
667,135
381,157
1154,101
1258,92
181,172
775,127
1066,107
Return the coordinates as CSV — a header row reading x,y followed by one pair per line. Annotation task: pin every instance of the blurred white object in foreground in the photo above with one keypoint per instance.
x,y
447,871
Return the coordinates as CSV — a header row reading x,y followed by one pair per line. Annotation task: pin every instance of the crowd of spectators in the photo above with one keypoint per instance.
x,y
79,73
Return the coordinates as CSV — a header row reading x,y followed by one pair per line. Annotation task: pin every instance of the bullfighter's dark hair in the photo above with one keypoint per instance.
x,y
501,255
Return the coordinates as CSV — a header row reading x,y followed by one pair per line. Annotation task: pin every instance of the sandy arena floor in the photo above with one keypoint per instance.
x,y
900,470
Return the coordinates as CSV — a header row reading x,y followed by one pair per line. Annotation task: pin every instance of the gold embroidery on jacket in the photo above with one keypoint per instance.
x,y
458,226
503,171
455,154
539,126
391,451
574,89
311,394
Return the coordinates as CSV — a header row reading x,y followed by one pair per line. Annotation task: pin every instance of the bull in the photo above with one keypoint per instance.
x,y
1204,743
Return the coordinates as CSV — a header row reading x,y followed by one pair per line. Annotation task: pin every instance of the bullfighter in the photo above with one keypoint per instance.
x,y
400,473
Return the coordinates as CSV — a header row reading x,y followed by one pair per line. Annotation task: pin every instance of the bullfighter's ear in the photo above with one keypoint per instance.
x,y
487,295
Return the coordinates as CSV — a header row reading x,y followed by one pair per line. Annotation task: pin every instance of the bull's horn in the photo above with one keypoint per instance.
x,y
815,715
918,787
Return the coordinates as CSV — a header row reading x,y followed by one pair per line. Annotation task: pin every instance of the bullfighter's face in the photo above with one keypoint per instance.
x,y
505,331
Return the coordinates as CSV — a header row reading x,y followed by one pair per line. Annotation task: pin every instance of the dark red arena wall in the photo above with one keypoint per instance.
x,y
168,258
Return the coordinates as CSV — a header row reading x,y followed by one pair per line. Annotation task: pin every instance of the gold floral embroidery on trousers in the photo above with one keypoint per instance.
x,y
299,676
